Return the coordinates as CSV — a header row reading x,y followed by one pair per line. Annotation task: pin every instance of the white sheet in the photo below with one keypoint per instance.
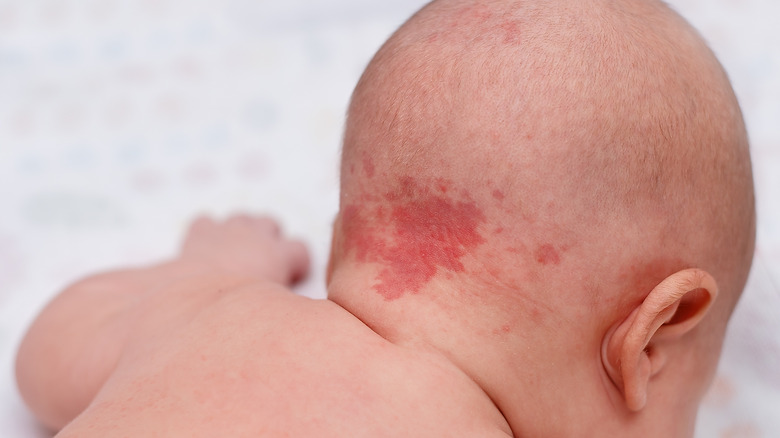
x,y
120,120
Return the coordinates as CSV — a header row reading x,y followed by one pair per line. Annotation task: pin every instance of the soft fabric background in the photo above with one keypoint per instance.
x,y
121,120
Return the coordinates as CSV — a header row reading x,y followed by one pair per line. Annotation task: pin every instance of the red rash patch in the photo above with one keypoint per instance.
x,y
499,195
546,254
423,234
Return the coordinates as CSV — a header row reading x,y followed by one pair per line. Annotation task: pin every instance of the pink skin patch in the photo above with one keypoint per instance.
x,y
507,28
472,14
499,195
512,34
421,235
642,278
546,255
504,329
368,167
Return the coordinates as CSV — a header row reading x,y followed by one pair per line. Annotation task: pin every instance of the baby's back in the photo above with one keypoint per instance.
x,y
259,361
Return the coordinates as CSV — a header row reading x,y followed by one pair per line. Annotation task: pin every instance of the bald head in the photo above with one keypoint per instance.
x,y
605,126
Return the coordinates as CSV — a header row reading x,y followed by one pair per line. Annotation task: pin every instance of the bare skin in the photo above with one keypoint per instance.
x,y
266,362
546,221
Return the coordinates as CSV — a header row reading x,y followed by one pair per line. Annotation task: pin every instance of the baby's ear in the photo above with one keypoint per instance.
x,y
633,350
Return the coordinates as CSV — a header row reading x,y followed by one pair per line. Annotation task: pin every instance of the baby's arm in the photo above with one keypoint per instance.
x,y
76,342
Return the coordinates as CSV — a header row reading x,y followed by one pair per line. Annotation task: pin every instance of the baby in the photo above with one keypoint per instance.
x,y
546,220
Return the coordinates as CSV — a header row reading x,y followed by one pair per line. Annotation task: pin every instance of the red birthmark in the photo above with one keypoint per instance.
x,y
546,254
428,233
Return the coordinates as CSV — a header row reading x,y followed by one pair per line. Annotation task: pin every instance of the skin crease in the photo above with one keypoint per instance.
x,y
546,221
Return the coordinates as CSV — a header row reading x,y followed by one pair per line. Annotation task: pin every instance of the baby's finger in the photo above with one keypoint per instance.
x,y
269,225
200,225
265,224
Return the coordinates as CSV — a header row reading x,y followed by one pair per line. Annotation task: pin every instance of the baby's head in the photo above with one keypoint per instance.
x,y
564,189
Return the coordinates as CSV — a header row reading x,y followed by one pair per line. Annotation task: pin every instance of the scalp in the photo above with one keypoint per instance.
x,y
578,118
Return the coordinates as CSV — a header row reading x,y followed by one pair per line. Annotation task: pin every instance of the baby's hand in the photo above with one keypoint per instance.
x,y
247,246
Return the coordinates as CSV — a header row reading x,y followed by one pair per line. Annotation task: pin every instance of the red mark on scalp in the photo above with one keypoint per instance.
x,y
441,184
428,233
504,329
546,254
512,34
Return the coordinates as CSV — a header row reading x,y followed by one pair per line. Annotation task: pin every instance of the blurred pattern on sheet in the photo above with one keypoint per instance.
x,y
121,120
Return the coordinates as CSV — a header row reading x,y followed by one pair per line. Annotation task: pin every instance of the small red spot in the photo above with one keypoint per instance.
x,y
368,166
512,34
504,329
351,169
514,250
546,254
498,194
441,184
499,230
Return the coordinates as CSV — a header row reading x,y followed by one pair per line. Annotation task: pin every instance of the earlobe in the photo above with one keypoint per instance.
x,y
633,350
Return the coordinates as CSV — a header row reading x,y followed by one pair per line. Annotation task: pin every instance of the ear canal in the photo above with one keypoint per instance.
x,y
690,308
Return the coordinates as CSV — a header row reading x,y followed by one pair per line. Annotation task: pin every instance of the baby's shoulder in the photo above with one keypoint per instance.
x,y
292,366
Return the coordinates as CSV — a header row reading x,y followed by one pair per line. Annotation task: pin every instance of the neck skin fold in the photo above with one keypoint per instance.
x,y
534,366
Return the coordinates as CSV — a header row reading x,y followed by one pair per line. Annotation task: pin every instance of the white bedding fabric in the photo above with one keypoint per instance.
x,y
121,120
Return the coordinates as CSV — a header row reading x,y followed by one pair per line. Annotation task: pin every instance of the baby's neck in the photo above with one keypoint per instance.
x,y
532,367
438,319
